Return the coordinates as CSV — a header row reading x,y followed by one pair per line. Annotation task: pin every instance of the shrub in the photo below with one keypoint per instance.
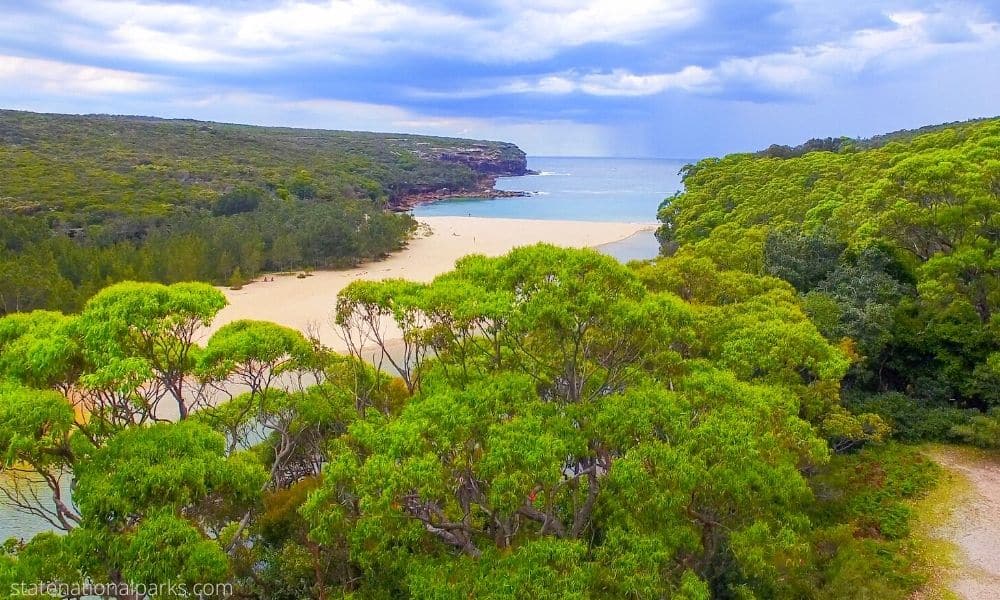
x,y
911,420
980,430
240,200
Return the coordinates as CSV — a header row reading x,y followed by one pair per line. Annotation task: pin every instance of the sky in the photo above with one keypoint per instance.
x,y
657,78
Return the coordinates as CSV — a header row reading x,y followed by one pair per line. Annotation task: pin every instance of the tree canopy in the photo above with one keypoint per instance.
x,y
548,423
561,425
891,245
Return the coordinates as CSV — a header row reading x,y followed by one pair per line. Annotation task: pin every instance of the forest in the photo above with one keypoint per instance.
x,y
732,420
892,248
86,201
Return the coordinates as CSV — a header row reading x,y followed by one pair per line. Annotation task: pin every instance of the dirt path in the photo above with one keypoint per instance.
x,y
974,526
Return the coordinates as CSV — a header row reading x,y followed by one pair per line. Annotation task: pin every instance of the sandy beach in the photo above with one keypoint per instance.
x,y
307,304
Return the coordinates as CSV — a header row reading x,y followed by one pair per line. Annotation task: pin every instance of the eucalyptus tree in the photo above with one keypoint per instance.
x,y
562,426
578,434
139,499
892,244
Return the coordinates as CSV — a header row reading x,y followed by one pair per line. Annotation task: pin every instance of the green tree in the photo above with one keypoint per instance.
x,y
566,407
149,325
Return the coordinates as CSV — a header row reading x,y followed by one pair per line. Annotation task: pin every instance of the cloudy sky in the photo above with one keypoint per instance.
x,y
670,78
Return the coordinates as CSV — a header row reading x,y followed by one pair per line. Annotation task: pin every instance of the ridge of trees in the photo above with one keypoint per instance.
x,y
86,201
843,143
892,248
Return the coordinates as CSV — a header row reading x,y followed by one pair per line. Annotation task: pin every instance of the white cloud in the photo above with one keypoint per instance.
x,y
141,41
624,83
914,37
32,75
171,32
537,29
619,82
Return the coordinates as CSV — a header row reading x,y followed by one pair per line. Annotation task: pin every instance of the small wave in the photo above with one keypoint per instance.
x,y
540,193
552,173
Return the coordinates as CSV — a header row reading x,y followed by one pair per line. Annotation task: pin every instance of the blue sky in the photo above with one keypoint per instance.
x,y
670,78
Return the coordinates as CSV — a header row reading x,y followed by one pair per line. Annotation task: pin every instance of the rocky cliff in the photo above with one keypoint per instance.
x,y
485,160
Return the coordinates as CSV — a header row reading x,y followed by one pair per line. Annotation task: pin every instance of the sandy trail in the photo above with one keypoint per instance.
x,y
307,304
974,526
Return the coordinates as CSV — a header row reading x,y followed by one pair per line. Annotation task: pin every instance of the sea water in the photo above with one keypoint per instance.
x,y
575,189
581,189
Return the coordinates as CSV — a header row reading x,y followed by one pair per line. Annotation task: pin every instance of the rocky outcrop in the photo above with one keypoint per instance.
x,y
488,161
485,188
496,159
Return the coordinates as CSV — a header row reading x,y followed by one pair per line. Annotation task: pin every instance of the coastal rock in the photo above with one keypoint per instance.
x,y
487,162
497,159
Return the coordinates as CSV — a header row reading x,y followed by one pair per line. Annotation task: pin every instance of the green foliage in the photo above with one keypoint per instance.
x,y
167,549
562,426
891,243
862,517
871,488
35,427
803,261
39,349
164,466
980,430
571,407
146,329
92,200
240,200
236,280
259,344
911,419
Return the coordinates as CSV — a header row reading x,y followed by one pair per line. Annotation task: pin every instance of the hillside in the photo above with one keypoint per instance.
x,y
716,423
96,165
892,249
837,144
89,200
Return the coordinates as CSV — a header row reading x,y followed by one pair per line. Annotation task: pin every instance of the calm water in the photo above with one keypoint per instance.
x,y
640,246
14,523
576,189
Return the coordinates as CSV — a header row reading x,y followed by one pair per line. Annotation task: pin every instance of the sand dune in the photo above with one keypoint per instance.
x,y
307,304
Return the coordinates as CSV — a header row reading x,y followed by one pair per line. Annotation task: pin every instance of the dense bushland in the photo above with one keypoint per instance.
x,y
86,201
561,426
712,424
891,247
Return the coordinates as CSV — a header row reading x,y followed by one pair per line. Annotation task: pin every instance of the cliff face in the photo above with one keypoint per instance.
x,y
494,159
498,161
486,160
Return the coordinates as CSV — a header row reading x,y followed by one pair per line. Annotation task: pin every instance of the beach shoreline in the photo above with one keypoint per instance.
x,y
307,303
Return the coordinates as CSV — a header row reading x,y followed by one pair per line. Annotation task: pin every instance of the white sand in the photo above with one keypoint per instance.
x,y
307,304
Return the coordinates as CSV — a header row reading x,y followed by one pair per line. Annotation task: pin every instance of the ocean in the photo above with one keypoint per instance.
x,y
575,189
581,189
